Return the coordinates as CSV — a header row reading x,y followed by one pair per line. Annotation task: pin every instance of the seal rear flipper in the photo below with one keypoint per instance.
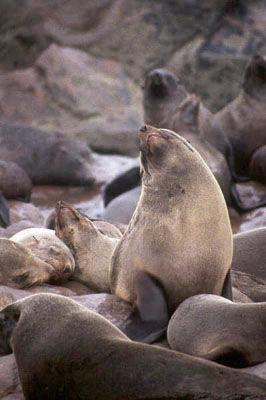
x,y
227,290
229,356
121,184
150,319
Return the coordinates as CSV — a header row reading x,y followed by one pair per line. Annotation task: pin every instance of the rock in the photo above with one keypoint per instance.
x,y
14,182
76,94
25,211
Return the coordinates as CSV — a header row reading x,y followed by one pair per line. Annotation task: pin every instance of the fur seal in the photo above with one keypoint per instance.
x,y
97,361
180,234
45,245
20,268
92,250
217,329
243,121
162,92
249,254
46,158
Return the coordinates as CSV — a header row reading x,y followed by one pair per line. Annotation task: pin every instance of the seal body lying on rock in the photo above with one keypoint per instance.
x,y
64,351
45,245
217,329
19,268
46,158
180,234
92,249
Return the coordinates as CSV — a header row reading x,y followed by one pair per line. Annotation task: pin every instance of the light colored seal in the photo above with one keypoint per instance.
x,y
92,249
64,351
180,234
217,329
20,268
45,245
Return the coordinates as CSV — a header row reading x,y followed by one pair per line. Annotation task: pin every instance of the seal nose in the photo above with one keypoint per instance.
x,y
67,270
143,128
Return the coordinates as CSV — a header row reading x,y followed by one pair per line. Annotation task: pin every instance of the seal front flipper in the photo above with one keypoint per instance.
x,y
229,356
149,320
227,291
122,183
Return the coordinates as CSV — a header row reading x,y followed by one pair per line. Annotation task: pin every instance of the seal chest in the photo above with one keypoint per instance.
x,y
180,233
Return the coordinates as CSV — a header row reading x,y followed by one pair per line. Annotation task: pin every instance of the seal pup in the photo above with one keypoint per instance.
x,y
179,239
92,250
45,245
97,361
249,253
217,329
20,268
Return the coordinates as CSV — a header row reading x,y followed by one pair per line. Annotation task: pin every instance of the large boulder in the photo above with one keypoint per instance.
x,y
71,92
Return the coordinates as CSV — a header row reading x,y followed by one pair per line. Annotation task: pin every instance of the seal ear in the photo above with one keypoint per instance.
x,y
229,356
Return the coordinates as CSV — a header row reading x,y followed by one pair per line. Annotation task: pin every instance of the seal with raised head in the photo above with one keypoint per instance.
x,y
217,329
64,351
45,245
20,268
92,249
243,121
180,236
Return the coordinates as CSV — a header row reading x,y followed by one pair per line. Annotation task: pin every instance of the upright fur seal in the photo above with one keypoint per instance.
x,y
64,351
243,121
180,234
216,329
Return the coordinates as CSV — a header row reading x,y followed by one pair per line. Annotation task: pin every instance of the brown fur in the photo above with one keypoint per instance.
x,y
215,328
63,351
45,245
243,121
180,232
20,268
92,250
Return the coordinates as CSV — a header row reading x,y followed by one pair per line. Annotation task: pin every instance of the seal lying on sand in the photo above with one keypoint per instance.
x,y
216,329
63,351
45,245
46,158
179,238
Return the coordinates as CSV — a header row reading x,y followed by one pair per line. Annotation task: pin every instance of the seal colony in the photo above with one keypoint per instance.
x,y
179,237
